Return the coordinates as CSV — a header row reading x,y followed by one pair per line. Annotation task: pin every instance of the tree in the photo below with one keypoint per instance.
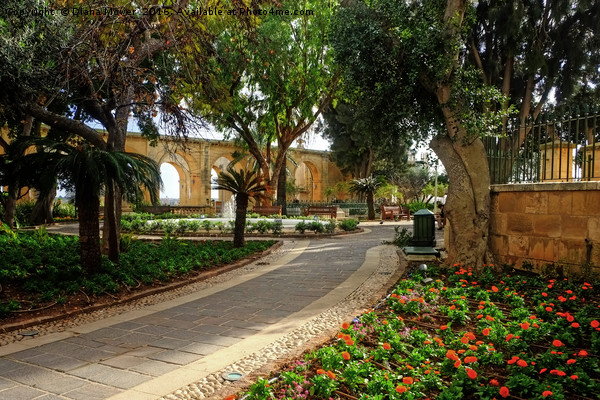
x,y
413,181
367,187
89,170
269,84
425,50
108,68
244,184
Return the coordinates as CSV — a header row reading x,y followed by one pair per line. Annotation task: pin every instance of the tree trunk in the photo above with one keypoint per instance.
x,y
10,207
111,231
468,203
282,191
241,206
89,234
370,206
42,211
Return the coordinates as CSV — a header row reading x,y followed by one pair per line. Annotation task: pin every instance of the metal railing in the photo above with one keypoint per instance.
x,y
559,150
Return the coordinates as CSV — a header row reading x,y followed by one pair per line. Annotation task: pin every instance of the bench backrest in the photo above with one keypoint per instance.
x,y
390,208
267,210
328,210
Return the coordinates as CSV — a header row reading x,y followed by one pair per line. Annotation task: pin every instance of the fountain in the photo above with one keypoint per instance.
x,y
229,208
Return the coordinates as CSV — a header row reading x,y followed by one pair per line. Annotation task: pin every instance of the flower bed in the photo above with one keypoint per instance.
x,y
458,336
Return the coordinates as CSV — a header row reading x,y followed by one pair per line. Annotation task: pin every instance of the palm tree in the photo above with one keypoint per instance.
x,y
88,170
244,184
367,186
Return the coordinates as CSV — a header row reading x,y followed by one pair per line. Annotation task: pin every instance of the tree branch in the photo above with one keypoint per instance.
x,y
67,124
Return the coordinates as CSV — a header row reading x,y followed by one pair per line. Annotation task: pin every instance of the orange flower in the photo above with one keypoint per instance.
x,y
331,374
504,392
346,355
401,389
387,346
486,331
583,353
525,325
232,397
349,342
407,380
320,371
457,364
547,393
522,363
575,325
444,327
494,289
471,373
470,359
345,325
494,382
509,336
571,361
557,343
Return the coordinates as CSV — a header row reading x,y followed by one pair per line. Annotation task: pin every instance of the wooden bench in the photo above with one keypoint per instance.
x,y
330,211
265,211
394,212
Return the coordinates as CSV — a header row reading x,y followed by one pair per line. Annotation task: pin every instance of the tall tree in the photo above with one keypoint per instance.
x,y
362,140
428,51
271,83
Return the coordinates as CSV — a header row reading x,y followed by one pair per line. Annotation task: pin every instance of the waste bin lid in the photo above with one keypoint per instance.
x,y
423,211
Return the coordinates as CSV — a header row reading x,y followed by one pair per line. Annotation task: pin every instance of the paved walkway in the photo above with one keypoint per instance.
x,y
148,353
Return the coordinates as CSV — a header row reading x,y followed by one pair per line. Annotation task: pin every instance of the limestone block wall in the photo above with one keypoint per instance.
x,y
546,223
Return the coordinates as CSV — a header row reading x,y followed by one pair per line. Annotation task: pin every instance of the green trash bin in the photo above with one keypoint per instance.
x,y
424,229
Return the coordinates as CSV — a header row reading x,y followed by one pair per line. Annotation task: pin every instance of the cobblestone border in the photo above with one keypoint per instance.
x,y
312,334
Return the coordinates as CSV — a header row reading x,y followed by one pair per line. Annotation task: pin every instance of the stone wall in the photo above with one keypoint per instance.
x,y
546,223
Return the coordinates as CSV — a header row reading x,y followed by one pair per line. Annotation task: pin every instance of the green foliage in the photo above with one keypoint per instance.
x,y
23,212
62,210
402,237
301,227
47,267
348,224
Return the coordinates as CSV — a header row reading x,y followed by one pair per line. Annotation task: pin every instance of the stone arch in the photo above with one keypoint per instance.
x,y
185,179
220,197
307,178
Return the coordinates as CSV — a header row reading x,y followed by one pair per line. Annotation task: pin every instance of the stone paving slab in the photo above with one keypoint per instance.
x,y
170,344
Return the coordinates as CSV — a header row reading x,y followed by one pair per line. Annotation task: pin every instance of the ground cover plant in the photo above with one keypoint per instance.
x,y
40,270
458,335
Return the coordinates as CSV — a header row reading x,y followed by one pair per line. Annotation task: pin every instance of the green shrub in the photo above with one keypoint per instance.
x,y
317,227
23,212
301,227
182,226
330,226
402,237
63,210
206,225
277,227
419,205
348,224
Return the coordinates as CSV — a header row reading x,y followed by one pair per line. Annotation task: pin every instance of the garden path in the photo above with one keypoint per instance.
x,y
150,352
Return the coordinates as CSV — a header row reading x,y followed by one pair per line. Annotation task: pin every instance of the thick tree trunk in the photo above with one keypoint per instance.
x,y
282,191
468,204
89,234
370,206
42,211
241,206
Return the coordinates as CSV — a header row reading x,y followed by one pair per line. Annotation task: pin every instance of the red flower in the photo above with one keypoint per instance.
x,y
583,353
574,377
407,380
471,373
557,343
509,336
571,361
444,327
547,393
494,289
346,355
494,382
595,324
387,346
349,342
345,325
470,359
401,389
320,371
331,374
522,363
504,391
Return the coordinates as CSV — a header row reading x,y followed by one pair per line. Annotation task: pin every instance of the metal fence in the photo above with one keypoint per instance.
x,y
558,150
